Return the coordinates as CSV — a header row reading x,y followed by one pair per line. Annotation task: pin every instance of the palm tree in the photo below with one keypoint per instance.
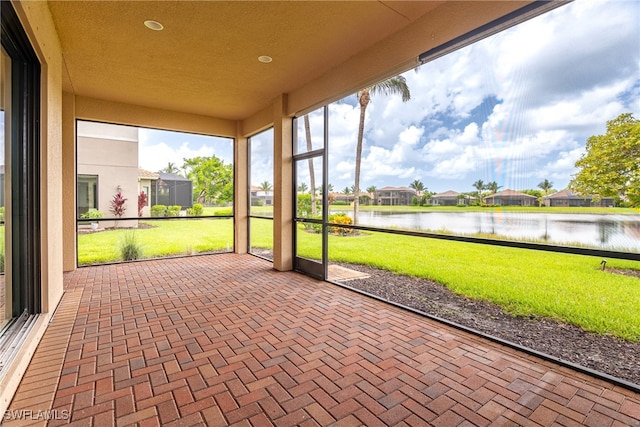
x,y
546,186
418,186
302,188
392,86
265,187
493,187
312,174
371,189
346,191
479,185
171,168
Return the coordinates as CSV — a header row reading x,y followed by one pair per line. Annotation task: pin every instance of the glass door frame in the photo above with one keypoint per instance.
x,y
300,264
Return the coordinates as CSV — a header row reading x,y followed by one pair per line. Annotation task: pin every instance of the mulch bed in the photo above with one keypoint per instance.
x,y
606,354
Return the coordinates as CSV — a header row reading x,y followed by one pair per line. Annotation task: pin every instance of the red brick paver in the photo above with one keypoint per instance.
x,y
224,339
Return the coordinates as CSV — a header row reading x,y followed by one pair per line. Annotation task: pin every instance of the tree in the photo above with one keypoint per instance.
x,y
372,189
302,188
212,179
546,186
312,174
418,186
171,168
346,191
395,85
611,167
493,187
479,186
265,187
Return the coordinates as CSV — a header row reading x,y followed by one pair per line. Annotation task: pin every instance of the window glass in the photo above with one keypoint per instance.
x,y
309,132
127,175
87,193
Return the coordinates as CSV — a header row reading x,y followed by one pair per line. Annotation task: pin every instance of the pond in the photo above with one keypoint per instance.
x,y
613,232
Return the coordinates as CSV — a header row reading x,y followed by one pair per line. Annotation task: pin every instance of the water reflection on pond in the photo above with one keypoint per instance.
x,y
619,232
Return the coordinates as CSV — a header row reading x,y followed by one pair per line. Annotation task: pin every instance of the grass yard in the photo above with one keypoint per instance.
x,y
163,238
570,288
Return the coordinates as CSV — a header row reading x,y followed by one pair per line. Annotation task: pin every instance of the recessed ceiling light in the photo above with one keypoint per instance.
x,y
265,59
153,25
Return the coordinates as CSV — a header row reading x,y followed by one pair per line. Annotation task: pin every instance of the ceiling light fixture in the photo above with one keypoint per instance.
x,y
265,59
153,25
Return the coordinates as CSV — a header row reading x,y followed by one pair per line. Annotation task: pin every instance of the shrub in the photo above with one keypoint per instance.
x,y
91,214
130,248
173,210
340,219
142,202
117,205
195,210
223,212
415,201
158,210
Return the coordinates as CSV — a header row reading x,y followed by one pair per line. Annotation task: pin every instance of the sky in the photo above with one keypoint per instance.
x,y
516,108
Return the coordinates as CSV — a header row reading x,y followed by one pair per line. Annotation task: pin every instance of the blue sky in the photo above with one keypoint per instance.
x,y
516,108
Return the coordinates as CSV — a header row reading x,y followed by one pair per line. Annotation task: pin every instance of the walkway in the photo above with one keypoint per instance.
x,y
225,340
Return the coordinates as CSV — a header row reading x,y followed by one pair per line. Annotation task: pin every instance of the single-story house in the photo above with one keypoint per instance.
x,y
566,198
511,198
450,198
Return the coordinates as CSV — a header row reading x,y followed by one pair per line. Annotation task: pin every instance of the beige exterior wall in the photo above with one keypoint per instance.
x,y
37,22
110,153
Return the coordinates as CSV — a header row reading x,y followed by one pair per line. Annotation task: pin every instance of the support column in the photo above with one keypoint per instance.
x,y
240,209
283,183
69,213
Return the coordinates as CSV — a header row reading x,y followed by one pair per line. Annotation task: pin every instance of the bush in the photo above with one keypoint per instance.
x,y
158,210
340,219
130,248
91,214
223,212
415,201
173,211
195,210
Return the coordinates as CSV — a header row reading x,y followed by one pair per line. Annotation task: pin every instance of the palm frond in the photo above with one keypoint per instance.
x,y
394,86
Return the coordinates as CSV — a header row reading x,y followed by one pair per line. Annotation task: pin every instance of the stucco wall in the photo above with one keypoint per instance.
x,y
110,153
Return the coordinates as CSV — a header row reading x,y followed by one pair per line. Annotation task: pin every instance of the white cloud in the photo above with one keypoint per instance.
x,y
515,108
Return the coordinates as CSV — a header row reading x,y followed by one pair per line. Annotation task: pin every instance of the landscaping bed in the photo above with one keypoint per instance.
x,y
606,354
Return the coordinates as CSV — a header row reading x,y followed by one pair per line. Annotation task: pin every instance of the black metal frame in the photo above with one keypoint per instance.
x,y
25,165
310,267
249,215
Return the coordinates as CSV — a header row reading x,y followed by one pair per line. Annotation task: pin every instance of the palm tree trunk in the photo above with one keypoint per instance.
x,y
312,174
364,101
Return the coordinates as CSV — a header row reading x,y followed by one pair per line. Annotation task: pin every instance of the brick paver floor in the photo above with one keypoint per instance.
x,y
226,340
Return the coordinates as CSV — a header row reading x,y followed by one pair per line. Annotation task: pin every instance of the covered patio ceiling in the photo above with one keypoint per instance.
x,y
205,60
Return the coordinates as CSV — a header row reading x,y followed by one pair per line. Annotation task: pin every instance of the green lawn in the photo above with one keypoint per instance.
x,y
570,288
164,238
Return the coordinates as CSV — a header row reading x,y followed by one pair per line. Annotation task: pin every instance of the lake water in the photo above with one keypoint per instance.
x,y
615,232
